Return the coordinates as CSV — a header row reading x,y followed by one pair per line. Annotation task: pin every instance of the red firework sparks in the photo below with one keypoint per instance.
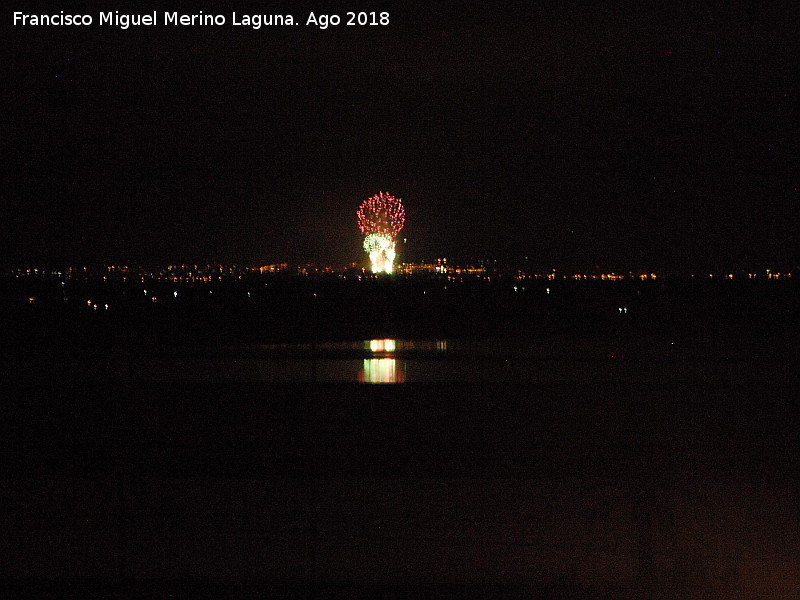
x,y
382,214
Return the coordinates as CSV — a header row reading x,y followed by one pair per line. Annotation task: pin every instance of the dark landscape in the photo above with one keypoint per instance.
x,y
552,447
418,301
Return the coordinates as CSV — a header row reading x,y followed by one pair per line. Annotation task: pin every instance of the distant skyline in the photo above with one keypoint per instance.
x,y
652,137
521,269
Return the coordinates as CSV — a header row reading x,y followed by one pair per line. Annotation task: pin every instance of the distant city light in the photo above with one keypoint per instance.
x,y
380,219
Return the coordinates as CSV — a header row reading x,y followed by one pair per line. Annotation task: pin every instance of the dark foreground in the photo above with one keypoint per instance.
x,y
559,490
167,450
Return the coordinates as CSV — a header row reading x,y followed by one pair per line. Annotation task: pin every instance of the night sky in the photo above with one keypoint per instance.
x,y
625,137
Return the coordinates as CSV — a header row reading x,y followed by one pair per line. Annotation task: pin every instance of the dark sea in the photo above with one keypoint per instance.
x,y
532,466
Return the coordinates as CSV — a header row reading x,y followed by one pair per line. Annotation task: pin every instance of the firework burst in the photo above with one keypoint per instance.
x,y
380,219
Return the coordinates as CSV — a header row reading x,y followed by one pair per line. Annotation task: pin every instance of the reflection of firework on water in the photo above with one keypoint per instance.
x,y
380,219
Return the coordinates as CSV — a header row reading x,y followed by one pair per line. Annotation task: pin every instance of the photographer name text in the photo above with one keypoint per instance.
x,y
200,19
